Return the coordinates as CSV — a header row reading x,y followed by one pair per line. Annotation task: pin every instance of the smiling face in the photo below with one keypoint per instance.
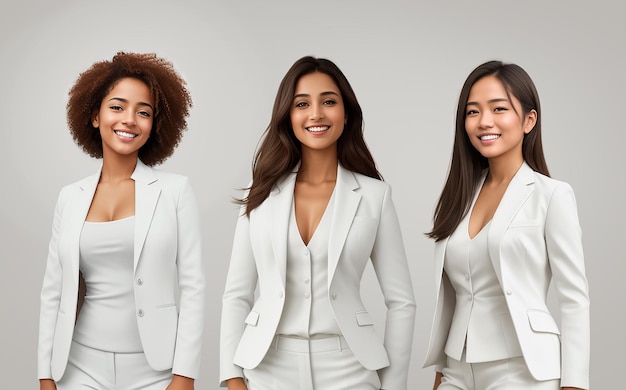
x,y
317,113
494,121
125,118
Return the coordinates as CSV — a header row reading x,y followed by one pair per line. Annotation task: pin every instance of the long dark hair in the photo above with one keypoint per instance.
x,y
467,163
280,150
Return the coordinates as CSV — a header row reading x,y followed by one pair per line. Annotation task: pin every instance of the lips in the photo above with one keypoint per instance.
x,y
317,129
125,134
489,137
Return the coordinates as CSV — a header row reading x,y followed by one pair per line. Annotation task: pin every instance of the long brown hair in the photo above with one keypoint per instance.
x,y
467,163
280,150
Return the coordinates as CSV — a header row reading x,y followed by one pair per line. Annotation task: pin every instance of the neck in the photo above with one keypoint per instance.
x,y
117,169
503,170
318,166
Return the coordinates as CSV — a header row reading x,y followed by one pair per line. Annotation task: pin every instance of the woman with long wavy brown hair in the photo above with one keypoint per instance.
x,y
317,210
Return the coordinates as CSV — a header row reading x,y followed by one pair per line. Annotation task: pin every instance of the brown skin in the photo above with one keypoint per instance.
x,y
115,195
317,104
180,383
171,103
236,384
47,384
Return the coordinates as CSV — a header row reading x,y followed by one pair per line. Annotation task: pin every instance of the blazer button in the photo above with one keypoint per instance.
x,y
333,295
280,294
139,282
140,313
509,292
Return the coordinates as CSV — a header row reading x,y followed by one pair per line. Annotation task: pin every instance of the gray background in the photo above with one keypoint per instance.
x,y
406,61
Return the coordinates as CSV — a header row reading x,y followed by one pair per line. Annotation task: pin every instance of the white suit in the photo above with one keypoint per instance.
x,y
364,225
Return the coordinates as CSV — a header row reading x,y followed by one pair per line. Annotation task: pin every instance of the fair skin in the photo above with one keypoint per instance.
x,y
317,118
496,127
125,122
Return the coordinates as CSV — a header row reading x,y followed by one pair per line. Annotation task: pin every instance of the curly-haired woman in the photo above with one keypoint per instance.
x,y
122,303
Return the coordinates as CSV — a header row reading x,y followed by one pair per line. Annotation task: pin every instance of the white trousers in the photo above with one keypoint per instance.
x,y
317,364
505,374
89,368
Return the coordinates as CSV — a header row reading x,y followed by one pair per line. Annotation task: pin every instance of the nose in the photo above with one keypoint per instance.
x,y
316,112
486,120
129,118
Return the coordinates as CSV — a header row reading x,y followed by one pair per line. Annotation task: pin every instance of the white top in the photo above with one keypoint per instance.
x,y
307,312
481,323
107,318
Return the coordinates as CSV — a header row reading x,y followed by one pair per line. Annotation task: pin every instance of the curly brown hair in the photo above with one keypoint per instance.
x,y
171,98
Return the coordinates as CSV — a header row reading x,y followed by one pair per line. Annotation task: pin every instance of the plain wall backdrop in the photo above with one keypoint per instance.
x,y
406,61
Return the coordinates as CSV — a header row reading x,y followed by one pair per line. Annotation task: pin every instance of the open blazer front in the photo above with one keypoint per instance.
x,y
534,238
167,242
364,225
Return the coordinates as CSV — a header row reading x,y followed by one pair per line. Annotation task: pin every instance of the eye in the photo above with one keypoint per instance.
x,y
145,114
329,102
301,104
116,108
471,112
500,109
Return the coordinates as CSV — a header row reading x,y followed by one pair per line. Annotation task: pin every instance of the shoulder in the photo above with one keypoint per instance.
x,y
371,186
79,185
551,186
170,177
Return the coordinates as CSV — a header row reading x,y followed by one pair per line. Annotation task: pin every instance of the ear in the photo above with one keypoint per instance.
x,y
95,120
530,121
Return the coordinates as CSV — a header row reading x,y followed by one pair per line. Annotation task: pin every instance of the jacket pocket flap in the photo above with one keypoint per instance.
x,y
363,318
252,318
541,321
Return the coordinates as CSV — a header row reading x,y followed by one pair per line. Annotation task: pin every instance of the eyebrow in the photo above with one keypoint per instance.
x,y
321,94
488,101
126,101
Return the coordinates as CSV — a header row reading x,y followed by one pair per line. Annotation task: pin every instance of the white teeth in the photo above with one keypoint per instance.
x,y
489,137
125,134
317,128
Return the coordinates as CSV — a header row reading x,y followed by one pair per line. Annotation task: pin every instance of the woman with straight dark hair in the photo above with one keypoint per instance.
x,y
317,210
504,230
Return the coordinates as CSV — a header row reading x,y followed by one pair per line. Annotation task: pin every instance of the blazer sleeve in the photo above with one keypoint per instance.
x,y
50,297
191,282
390,264
565,253
238,298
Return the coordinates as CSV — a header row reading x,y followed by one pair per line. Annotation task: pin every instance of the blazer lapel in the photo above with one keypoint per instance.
x,y
280,201
80,208
514,197
346,203
146,198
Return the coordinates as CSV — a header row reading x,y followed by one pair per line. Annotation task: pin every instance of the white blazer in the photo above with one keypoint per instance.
x,y
534,239
364,225
167,243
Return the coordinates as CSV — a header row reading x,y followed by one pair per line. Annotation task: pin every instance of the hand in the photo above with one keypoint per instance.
x,y
236,384
438,377
180,382
47,384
